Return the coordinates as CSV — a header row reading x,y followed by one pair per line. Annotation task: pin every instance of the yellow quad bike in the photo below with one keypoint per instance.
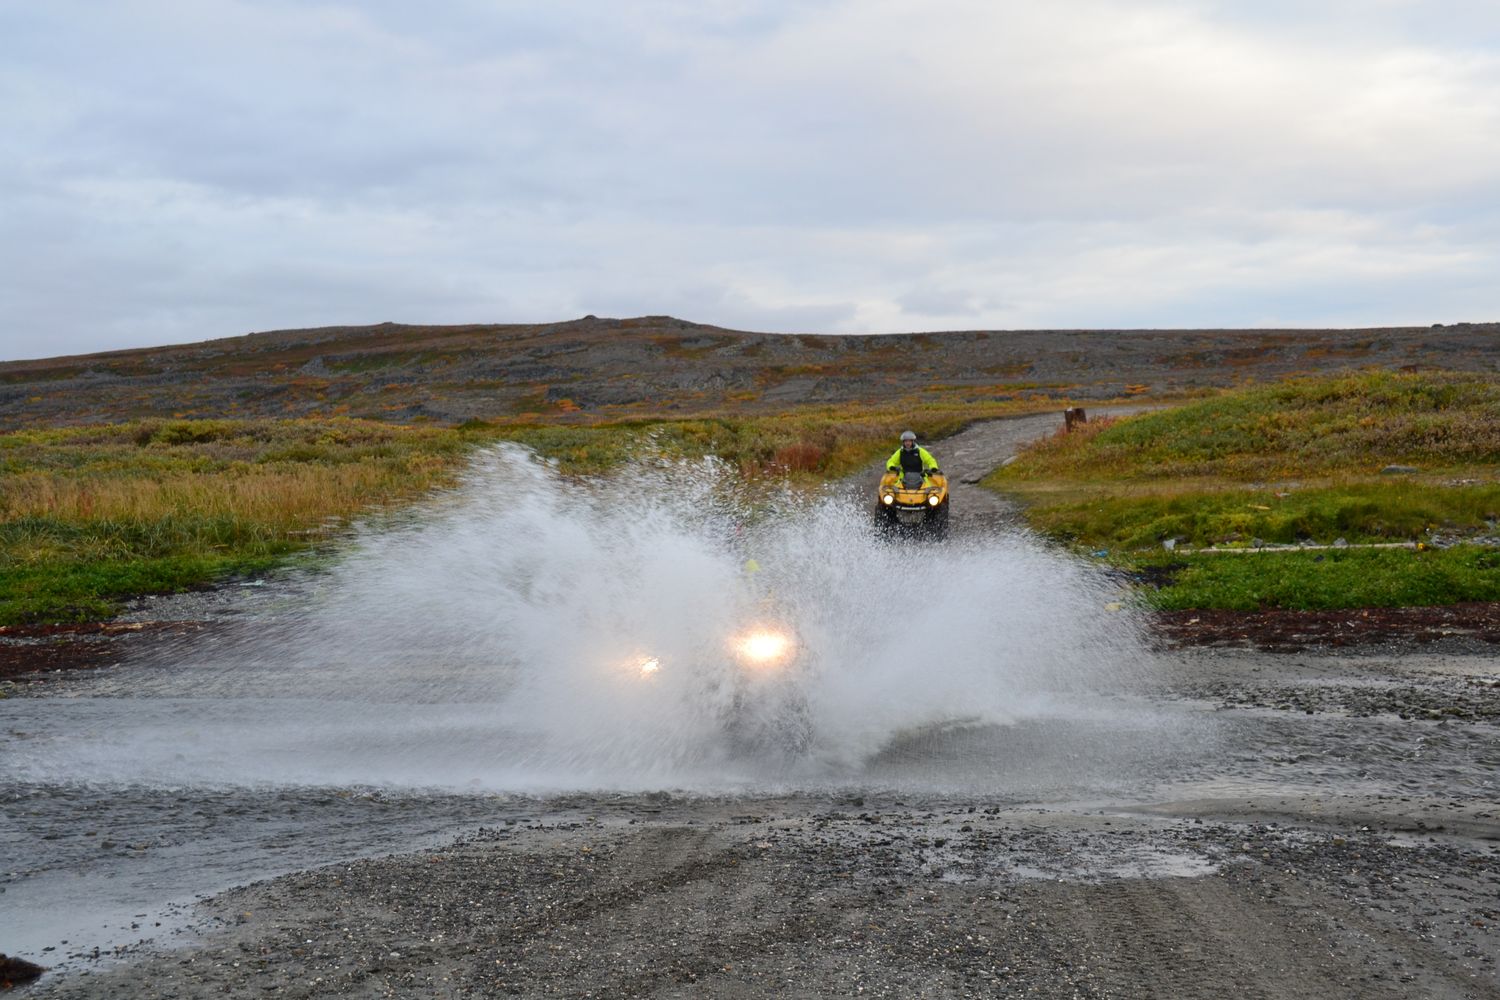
x,y
750,689
913,503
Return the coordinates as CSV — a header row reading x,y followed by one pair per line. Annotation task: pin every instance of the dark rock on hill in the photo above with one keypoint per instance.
x,y
652,364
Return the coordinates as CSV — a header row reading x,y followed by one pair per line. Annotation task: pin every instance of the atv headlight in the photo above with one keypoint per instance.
x,y
889,498
763,648
934,500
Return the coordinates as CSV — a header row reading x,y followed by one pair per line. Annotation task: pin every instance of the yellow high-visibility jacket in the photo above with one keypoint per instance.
x,y
928,462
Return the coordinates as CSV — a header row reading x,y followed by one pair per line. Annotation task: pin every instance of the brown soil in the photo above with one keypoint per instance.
x,y
1279,630
27,651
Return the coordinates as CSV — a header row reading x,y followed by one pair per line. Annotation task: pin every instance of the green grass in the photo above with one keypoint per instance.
x,y
1290,463
90,516
1354,424
1357,512
94,515
1326,580
91,589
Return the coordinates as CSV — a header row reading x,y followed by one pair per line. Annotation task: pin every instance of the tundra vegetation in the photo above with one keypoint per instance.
x,y
1276,496
90,516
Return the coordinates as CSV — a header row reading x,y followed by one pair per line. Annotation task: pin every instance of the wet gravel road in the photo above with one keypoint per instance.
x,y
868,894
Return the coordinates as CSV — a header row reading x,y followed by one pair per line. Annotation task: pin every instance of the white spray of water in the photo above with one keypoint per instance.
x,y
498,639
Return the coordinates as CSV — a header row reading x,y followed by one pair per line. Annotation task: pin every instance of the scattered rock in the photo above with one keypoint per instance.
x,y
17,972
451,373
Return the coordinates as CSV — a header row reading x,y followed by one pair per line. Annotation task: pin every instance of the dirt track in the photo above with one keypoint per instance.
x,y
1325,827
869,895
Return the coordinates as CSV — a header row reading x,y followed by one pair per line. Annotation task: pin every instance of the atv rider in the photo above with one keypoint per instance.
x,y
912,457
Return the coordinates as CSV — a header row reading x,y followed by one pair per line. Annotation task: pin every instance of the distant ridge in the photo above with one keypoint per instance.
x,y
594,367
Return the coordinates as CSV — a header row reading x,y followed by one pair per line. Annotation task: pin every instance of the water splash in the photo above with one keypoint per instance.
x,y
497,639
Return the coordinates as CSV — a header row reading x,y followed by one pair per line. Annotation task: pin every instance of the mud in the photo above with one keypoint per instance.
x,y
28,650
1473,626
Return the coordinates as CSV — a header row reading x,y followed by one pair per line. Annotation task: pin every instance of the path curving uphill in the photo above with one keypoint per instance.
x,y
975,452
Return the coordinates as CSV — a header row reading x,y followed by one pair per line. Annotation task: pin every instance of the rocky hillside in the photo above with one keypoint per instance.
x,y
657,364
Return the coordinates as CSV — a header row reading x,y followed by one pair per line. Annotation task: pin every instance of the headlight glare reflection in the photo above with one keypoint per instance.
x,y
763,647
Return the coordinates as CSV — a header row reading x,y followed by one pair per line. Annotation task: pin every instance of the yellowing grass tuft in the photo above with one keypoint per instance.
x,y
284,498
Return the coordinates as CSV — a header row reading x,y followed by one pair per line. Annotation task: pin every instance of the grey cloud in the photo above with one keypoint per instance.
x,y
942,302
739,308
225,166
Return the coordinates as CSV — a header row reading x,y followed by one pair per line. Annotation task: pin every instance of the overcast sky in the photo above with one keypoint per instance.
x,y
176,171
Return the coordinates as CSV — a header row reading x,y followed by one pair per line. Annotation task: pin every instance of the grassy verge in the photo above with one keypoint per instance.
x,y
90,516
1239,516
1298,462
1324,580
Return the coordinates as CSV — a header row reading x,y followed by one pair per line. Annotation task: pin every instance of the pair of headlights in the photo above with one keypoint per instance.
x,y
761,648
890,498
